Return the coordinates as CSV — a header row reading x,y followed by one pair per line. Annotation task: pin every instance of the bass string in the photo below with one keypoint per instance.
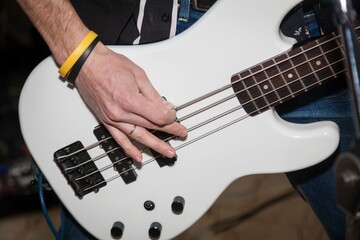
x,y
154,158
261,82
177,148
207,108
212,93
188,116
91,146
167,139
225,87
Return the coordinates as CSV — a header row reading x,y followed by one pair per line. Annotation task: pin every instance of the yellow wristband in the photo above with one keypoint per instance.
x,y
76,54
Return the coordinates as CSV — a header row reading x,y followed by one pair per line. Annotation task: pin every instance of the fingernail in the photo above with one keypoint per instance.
x,y
183,133
138,158
168,104
169,153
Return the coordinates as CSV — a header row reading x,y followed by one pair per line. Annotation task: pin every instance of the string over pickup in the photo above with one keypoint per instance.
x,y
121,162
161,159
79,170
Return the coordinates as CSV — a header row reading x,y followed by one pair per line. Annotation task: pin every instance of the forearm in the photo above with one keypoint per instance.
x,y
58,23
119,94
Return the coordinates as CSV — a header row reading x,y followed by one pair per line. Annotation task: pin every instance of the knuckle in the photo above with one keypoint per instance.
x,y
127,148
106,120
148,125
126,102
138,71
112,114
164,117
139,136
125,145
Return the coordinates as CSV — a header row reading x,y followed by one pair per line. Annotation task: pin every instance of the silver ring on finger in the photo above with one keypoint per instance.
x,y
132,130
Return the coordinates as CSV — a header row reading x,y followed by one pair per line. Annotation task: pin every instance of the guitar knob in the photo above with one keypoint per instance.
x,y
117,230
178,204
155,230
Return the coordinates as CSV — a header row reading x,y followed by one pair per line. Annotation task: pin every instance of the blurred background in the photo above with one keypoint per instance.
x,y
254,207
21,49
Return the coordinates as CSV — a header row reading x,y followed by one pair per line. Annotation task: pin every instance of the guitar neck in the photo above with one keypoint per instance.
x,y
290,74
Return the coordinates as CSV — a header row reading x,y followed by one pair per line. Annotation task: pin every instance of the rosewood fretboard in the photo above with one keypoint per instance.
x,y
287,75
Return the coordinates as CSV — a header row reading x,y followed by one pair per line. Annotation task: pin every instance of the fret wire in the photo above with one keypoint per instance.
x,y
299,79
335,37
249,94
285,83
247,90
311,85
258,86
295,69
282,72
272,85
286,59
326,59
339,43
309,63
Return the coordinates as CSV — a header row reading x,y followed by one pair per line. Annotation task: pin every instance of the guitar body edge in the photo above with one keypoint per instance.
x,y
187,66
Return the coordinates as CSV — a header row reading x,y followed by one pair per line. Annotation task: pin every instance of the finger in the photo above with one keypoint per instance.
x,y
144,137
146,87
159,114
164,110
122,139
174,128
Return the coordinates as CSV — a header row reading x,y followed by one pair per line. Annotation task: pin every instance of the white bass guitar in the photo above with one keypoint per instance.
x,y
233,129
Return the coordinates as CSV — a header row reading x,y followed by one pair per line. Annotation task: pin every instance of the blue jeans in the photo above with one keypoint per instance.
x,y
315,184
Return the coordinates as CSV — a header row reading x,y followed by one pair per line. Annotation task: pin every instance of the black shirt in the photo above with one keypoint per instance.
x,y
129,21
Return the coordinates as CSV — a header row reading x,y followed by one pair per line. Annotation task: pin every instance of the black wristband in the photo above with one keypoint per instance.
x,y
79,63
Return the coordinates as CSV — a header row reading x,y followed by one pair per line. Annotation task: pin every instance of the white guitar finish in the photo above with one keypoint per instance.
x,y
232,36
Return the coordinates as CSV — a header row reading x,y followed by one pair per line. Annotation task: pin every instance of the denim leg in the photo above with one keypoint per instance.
x,y
316,184
71,230
192,17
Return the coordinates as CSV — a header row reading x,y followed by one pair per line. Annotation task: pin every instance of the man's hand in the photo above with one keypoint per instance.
x,y
121,96
115,89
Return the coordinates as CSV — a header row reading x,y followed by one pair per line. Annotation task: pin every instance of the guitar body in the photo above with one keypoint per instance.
x,y
232,36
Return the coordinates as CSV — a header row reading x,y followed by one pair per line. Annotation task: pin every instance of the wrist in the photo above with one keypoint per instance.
x,y
90,66
77,53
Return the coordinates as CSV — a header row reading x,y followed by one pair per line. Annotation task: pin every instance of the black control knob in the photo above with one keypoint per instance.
x,y
117,230
155,230
149,205
178,204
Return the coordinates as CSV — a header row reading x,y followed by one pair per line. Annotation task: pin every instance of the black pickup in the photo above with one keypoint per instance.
x,y
79,170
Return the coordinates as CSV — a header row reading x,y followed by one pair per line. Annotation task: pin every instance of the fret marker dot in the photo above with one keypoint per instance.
x,y
265,87
318,62
290,75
